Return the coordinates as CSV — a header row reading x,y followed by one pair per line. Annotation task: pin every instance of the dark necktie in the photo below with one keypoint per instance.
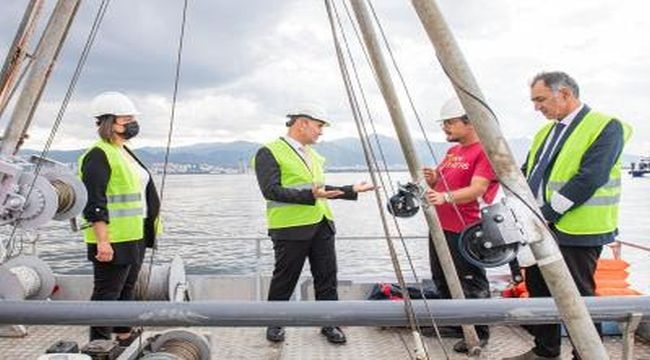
x,y
535,178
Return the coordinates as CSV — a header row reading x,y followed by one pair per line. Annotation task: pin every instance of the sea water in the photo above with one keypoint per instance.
x,y
216,223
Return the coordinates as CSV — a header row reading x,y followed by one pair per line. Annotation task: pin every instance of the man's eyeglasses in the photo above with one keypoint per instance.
x,y
452,121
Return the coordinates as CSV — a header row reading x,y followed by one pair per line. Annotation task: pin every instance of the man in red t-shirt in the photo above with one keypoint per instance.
x,y
457,187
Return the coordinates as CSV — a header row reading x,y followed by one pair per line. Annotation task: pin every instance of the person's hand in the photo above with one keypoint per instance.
x,y
550,215
104,251
430,175
320,192
435,198
363,186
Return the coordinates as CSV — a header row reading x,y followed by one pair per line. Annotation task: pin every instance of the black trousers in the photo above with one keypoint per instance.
x,y
473,279
581,261
290,257
114,282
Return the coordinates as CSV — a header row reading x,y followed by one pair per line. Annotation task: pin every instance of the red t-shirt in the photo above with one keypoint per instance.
x,y
458,167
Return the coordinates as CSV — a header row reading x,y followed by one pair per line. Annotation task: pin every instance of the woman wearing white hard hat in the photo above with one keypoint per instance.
x,y
122,210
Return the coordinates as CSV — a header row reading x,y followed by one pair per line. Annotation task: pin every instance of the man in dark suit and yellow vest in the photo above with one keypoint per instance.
x,y
291,177
574,171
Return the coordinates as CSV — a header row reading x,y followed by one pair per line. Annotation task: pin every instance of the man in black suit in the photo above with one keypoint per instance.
x,y
573,169
290,176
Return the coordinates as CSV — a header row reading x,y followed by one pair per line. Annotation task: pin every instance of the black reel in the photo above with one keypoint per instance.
x,y
494,241
406,202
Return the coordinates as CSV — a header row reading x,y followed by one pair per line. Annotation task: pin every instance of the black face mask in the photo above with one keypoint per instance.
x,y
130,130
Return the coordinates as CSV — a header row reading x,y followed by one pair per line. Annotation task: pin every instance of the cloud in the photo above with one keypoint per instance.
x,y
245,63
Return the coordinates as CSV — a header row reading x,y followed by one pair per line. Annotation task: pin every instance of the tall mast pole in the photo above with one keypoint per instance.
x,y
45,57
406,142
549,259
18,52
420,352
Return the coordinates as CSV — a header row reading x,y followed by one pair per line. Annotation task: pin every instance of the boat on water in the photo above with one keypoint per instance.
x,y
640,168
222,317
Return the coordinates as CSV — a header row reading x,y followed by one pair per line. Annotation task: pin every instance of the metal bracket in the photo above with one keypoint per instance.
x,y
628,335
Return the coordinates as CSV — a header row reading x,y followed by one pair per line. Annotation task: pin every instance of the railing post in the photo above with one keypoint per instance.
x,y
258,269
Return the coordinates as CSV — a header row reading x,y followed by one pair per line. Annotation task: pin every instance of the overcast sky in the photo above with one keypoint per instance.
x,y
247,62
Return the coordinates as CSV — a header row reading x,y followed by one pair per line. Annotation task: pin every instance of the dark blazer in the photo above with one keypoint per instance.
x,y
595,167
267,171
96,174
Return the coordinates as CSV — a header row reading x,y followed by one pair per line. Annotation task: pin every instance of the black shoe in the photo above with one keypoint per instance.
x,y
334,334
274,334
461,346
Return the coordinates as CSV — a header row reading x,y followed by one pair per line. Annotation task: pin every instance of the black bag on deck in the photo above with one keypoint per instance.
x,y
387,291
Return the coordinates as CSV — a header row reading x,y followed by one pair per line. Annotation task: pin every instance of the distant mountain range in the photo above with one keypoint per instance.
x,y
341,153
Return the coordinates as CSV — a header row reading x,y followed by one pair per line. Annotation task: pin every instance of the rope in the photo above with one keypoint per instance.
x,y
177,74
359,40
415,112
172,117
362,93
405,248
367,152
363,133
64,105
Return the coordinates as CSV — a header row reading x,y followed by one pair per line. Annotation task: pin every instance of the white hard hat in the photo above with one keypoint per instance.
x,y
113,103
452,109
311,111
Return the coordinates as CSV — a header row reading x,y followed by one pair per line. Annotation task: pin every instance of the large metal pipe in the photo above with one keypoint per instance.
x,y
420,352
555,272
45,56
309,313
408,148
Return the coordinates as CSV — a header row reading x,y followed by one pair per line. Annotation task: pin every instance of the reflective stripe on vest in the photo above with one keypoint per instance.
x,y
612,184
272,204
599,214
124,199
295,174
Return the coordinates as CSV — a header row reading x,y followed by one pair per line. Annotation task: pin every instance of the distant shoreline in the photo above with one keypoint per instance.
x,y
234,172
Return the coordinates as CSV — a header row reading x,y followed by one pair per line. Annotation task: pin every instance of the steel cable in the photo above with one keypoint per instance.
x,y
414,109
64,105
172,118
356,112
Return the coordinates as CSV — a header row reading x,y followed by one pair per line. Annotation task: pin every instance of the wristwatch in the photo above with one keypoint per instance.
x,y
449,198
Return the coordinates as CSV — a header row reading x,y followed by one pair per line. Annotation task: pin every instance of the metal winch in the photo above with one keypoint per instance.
x,y
31,199
179,344
26,277
495,240
163,282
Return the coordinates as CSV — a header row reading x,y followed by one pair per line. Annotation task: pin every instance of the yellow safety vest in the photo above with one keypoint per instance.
x,y
294,173
599,214
124,198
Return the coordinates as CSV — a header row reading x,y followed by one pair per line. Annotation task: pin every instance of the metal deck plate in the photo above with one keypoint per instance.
x,y
308,343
